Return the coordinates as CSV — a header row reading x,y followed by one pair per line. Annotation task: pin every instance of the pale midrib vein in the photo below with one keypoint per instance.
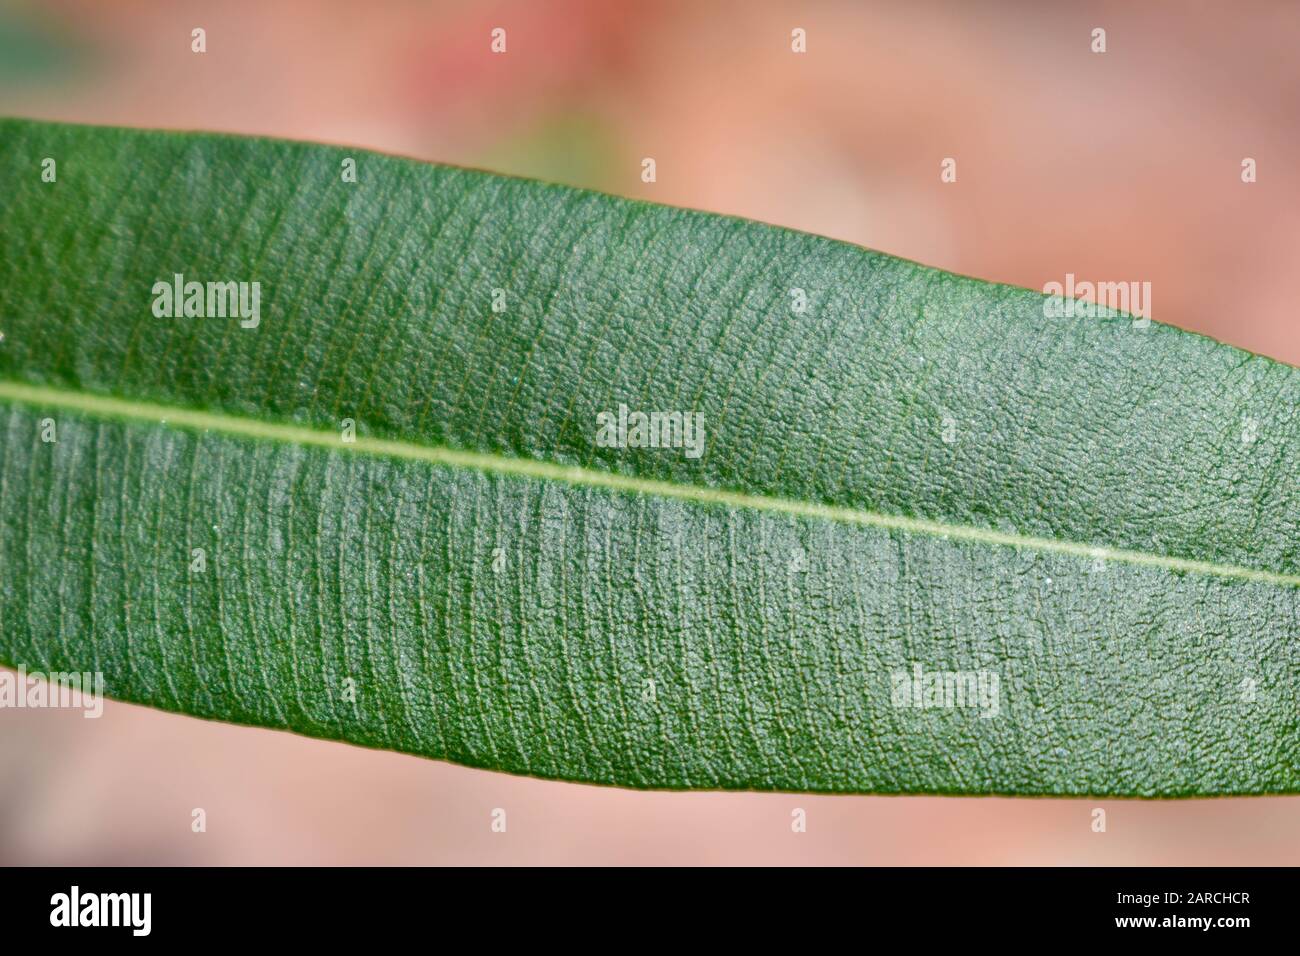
x,y
104,406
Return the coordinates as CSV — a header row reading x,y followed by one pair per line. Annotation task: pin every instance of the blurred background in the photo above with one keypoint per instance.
x,y
1117,166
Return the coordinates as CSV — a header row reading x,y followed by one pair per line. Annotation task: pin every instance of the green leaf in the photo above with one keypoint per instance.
x,y
1083,531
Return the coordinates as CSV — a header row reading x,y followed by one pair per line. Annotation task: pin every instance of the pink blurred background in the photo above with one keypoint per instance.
x,y
1122,166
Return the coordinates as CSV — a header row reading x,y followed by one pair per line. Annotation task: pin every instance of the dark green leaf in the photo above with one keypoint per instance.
x,y
1089,524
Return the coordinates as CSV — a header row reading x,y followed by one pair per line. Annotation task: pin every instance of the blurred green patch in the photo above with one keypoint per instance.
x,y
37,48
571,148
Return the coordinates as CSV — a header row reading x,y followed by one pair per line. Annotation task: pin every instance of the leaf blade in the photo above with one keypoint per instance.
x,y
766,676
